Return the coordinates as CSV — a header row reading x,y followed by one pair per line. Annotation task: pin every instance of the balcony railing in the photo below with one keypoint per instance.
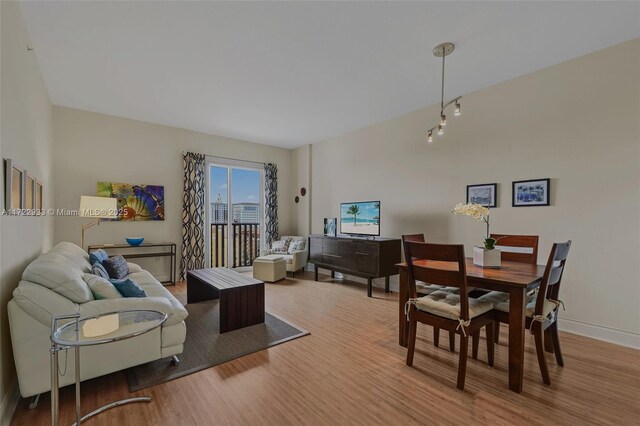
x,y
244,243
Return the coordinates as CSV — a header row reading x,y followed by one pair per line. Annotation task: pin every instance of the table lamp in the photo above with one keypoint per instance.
x,y
96,208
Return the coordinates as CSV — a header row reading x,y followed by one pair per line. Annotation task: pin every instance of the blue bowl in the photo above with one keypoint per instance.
x,y
134,241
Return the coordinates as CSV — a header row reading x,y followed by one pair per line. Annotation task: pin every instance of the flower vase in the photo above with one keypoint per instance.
x,y
486,258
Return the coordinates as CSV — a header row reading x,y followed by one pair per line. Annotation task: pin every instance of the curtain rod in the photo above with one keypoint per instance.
x,y
232,159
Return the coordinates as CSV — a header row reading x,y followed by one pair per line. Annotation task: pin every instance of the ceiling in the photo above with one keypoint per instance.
x,y
292,73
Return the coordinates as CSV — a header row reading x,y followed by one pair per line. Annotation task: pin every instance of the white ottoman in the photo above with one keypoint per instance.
x,y
269,268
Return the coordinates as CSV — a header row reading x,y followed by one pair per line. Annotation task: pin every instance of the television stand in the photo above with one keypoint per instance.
x,y
356,256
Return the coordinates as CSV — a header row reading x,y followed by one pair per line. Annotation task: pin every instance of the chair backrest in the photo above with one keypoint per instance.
x,y
550,286
451,271
517,248
415,238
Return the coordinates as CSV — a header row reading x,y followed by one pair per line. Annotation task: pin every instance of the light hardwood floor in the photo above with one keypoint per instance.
x,y
350,370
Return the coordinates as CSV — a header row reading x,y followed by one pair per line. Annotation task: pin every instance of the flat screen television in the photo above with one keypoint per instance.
x,y
360,218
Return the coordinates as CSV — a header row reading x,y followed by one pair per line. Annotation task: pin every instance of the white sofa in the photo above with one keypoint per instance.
x,y
53,285
296,260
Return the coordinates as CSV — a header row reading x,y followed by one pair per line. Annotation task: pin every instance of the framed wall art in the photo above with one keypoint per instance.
x,y
534,192
484,194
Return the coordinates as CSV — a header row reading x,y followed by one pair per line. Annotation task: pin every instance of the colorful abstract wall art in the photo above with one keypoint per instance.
x,y
135,202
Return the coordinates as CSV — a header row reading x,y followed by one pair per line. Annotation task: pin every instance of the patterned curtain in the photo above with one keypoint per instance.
x,y
192,213
271,202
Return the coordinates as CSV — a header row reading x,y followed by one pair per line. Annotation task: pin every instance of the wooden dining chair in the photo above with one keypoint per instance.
x,y
542,308
456,313
517,248
513,248
424,289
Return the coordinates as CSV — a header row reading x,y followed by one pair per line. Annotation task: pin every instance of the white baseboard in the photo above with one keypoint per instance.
x,y
599,332
9,404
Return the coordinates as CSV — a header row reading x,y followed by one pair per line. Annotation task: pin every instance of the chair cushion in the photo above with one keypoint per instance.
x,y
101,287
270,258
494,297
287,258
547,308
426,288
447,305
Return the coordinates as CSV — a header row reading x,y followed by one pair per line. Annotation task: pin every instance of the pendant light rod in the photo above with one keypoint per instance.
x,y
442,50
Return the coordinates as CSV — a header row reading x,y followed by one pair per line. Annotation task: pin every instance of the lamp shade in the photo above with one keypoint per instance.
x,y
98,207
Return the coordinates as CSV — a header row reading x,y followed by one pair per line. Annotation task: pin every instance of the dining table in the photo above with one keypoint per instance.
x,y
514,278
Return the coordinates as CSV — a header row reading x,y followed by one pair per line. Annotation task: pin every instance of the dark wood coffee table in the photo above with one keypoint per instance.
x,y
241,297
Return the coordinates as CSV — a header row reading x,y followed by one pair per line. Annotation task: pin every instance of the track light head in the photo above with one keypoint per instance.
x,y
440,130
430,136
457,111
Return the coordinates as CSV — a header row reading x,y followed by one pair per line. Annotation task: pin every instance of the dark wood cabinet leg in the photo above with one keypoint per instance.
x,y
369,287
386,284
333,274
315,272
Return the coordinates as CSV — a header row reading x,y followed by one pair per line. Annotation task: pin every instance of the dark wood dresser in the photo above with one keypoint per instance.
x,y
356,256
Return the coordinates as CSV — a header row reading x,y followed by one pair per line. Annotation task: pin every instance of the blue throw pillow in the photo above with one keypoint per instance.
x,y
128,288
98,256
98,269
117,267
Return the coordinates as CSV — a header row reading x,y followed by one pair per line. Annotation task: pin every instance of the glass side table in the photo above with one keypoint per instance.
x,y
91,331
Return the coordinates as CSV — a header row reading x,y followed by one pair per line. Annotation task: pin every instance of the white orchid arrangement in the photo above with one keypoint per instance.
x,y
479,213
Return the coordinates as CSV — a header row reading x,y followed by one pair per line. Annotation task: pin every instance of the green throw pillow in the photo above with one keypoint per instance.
x,y
101,287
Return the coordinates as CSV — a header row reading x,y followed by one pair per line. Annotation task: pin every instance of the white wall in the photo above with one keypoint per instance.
x,y
577,123
92,147
26,138
301,178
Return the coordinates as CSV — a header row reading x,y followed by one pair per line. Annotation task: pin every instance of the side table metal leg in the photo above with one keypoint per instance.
x,y
54,385
77,356
112,405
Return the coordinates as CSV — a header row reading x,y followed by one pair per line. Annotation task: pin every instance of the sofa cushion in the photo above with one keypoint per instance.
x,y
98,269
153,288
128,288
98,256
101,287
61,270
41,303
116,267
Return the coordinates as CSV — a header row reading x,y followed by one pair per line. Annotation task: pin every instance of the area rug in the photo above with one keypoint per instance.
x,y
205,347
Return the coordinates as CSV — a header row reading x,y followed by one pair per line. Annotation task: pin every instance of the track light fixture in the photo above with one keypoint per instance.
x,y
441,51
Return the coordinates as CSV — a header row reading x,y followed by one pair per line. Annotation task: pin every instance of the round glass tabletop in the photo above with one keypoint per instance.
x,y
106,328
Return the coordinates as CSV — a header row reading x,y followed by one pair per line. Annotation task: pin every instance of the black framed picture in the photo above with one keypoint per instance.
x,y
534,192
484,194
331,226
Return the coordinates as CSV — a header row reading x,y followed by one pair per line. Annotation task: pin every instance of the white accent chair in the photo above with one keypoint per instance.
x,y
296,259
53,285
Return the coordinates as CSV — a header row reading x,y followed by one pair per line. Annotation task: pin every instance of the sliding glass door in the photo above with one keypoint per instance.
x,y
234,213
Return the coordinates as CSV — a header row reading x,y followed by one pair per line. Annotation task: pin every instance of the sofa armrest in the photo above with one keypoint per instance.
x,y
134,267
266,252
103,306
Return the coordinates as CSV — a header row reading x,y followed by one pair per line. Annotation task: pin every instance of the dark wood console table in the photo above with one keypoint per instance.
x,y
356,256
142,251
